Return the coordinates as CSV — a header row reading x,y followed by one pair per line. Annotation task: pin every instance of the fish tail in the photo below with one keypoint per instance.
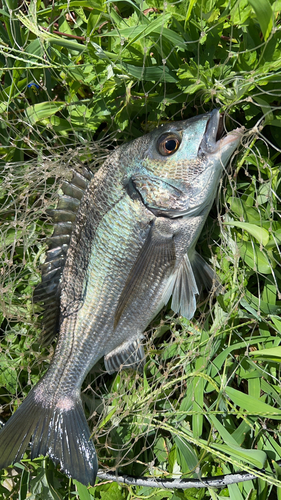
x,y
59,430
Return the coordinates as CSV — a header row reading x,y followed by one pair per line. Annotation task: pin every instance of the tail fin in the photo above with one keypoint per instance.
x,y
61,432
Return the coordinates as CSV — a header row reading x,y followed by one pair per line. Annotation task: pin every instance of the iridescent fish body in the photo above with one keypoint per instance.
x,y
132,247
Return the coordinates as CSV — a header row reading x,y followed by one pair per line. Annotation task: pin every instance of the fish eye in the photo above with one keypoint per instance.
x,y
168,144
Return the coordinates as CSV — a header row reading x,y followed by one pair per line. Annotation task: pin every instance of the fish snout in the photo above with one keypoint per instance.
x,y
215,141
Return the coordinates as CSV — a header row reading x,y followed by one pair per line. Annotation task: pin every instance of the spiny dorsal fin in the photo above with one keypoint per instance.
x,y
48,291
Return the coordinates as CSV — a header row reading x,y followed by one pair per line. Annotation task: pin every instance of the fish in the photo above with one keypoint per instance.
x,y
123,245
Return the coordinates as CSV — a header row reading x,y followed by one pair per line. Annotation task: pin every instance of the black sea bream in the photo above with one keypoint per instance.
x,y
132,247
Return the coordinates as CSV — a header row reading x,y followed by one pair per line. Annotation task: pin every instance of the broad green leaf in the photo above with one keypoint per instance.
x,y
275,239
112,491
153,73
136,33
10,237
4,13
186,453
264,193
93,21
269,389
259,233
260,305
276,321
43,110
235,493
130,34
12,4
75,3
254,386
173,37
273,354
222,356
264,15
255,258
226,436
190,7
65,42
161,450
61,126
240,432
108,417
266,109
83,491
249,214
257,458
275,445
269,293
276,122
252,405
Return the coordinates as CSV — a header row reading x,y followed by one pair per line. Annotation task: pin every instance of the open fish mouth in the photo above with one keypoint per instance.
x,y
215,139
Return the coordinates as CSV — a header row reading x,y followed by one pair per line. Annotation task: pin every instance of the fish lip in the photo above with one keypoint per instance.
x,y
213,141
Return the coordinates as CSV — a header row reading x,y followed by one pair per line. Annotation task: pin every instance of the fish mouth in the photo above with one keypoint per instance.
x,y
215,138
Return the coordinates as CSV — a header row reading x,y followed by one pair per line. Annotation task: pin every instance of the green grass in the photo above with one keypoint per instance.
x,y
76,79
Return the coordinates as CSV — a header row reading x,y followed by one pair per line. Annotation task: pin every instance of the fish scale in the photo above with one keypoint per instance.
x,y
123,245
104,299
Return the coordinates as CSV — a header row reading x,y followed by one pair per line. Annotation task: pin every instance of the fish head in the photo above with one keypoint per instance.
x,y
180,164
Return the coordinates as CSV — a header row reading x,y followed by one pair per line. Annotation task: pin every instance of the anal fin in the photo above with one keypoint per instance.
x,y
127,355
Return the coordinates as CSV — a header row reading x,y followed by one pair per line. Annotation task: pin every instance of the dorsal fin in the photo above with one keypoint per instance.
x,y
48,291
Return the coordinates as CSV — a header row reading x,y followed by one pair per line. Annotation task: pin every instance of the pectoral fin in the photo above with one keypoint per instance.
x,y
127,355
183,289
205,276
187,282
155,259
